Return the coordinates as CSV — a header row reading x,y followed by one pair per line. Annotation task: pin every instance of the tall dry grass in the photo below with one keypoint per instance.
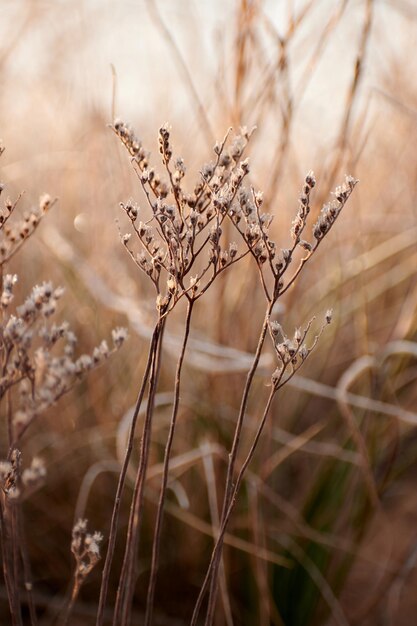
x,y
330,87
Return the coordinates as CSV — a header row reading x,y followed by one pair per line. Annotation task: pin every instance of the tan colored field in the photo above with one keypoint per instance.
x,y
321,527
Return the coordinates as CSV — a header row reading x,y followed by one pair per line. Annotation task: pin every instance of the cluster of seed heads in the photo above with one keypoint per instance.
x,y
292,351
254,226
37,356
13,233
182,245
330,211
86,550
18,484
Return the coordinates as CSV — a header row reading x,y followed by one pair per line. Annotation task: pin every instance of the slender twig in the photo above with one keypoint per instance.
x,y
16,560
234,450
26,567
126,580
277,384
74,595
162,495
121,483
6,562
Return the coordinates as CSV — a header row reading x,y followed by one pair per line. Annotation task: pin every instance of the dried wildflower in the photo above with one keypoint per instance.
x,y
86,550
276,329
233,250
8,283
45,202
186,229
34,476
119,336
101,352
310,180
11,475
331,210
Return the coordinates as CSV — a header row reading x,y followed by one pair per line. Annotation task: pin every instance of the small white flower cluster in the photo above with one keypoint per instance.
x,y
39,372
85,548
34,476
292,352
17,485
13,235
10,476
184,236
289,351
33,367
9,282
331,210
119,336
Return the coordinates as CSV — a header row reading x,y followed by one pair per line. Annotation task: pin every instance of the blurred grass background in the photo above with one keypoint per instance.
x,y
330,86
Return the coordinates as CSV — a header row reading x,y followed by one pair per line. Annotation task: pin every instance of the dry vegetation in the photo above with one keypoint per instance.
x,y
238,504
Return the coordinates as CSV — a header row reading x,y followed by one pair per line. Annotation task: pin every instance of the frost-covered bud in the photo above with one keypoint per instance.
x,y
83,363
276,376
259,198
310,180
276,329
34,475
142,229
101,352
306,245
7,296
233,250
215,234
224,257
5,469
282,350
245,166
131,210
291,347
92,545
171,284
207,171
44,202
119,336
161,302
194,284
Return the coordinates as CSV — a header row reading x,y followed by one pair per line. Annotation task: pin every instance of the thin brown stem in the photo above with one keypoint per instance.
x,y
127,576
216,557
277,384
27,574
162,495
122,479
16,561
5,553
74,595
